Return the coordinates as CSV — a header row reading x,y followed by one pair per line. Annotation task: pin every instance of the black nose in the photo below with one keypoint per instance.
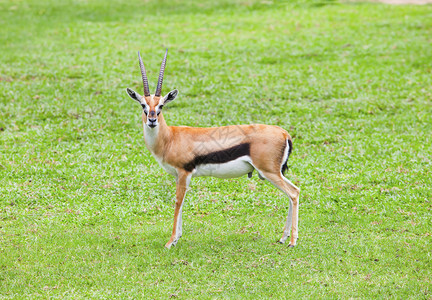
x,y
152,120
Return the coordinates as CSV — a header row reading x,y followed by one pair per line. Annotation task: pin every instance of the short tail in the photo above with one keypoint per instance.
x,y
285,164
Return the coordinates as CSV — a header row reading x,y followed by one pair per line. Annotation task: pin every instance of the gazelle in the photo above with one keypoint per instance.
x,y
223,152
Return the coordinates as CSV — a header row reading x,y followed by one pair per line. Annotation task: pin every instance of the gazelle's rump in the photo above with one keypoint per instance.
x,y
287,152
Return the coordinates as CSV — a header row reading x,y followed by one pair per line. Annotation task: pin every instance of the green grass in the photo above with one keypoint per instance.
x,y
85,210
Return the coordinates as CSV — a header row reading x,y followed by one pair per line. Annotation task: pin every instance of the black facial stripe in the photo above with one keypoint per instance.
x,y
219,157
144,108
159,109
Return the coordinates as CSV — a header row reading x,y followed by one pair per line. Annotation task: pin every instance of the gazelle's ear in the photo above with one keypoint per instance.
x,y
170,96
134,95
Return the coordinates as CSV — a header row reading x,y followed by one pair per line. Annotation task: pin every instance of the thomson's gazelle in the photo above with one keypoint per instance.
x,y
223,152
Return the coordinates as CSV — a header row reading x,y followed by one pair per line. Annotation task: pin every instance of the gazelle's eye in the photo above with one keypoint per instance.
x,y
160,109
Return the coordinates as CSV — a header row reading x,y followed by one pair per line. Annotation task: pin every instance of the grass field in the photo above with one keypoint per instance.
x,y
85,210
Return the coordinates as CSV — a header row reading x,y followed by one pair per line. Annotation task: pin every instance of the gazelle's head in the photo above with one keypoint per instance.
x,y
152,104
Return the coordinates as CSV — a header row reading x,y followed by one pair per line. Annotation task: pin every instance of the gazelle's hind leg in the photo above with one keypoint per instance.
x,y
293,192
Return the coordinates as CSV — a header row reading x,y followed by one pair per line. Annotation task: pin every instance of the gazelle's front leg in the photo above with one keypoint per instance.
x,y
183,181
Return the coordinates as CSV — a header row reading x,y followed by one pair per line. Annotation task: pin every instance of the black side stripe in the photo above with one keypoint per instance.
x,y
219,157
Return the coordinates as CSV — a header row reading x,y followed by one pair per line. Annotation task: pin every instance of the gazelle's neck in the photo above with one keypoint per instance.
x,y
156,138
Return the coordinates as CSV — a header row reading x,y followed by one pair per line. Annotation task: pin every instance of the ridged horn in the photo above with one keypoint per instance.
x,y
161,75
144,76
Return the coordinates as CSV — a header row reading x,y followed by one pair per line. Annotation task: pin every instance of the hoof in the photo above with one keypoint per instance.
x,y
171,244
279,242
291,246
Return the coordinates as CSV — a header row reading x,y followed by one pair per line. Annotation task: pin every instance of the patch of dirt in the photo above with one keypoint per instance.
x,y
398,2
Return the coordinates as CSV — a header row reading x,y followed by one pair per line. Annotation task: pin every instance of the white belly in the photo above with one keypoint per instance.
x,y
232,169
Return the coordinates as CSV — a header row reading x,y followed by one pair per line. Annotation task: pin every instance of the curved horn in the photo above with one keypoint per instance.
x,y
144,76
161,74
